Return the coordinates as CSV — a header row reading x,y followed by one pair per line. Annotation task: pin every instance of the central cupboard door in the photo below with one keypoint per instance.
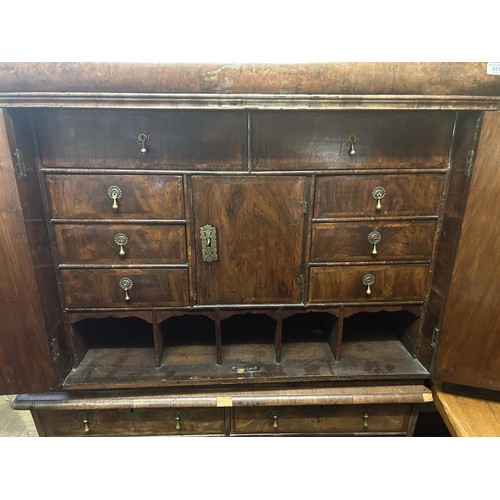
x,y
259,232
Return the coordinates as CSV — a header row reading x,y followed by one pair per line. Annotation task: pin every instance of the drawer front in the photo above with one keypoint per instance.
x,y
363,241
353,195
311,140
120,244
204,140
132,422
103,287
332,419
390,283
138,196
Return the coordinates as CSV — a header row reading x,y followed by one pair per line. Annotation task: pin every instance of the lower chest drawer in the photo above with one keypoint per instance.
x,y
131,422
125,287
386,419
361,283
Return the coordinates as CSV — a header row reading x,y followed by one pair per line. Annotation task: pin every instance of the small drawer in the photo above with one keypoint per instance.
x,y
329,419
391,283
171,139
378,195
131,422
363,241
343,139
112,287
120,243
116,196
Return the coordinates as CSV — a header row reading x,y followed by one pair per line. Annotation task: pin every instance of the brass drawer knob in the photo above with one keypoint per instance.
x,y
178,421
86,426
126,284
274,415
378,194
121,240
365,416
368,280
374,238
351,139
115,193
143,139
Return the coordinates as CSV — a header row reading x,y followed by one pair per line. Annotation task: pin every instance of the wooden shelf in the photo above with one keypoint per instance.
x,y
367,359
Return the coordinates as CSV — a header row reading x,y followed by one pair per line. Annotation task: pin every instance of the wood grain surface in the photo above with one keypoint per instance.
x,y
344,241
202,140
25,361
83,196
468,416
400,78
351,195
469,345
260,228
308,140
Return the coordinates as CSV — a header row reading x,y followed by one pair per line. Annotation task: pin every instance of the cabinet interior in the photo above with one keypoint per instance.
x,y
121,352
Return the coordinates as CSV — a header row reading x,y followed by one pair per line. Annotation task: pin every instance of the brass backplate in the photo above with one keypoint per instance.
x,y
208,236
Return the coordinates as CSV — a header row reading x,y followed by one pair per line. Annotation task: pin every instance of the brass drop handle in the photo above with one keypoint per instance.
x,y
351,139
374,238
126,284
143,139
364,416
275,415
121,240
86,426
115,193
368,280
178,421
378,194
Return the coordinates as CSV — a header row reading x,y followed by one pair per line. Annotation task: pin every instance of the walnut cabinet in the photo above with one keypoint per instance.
x,y
243,260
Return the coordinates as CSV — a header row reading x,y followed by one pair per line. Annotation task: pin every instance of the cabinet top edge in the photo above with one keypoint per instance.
x,y
246,102
370,78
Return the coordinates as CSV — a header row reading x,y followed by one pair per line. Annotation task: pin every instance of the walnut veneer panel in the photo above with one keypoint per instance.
x,y
346,241
131,422
100,287
471,323
225,397
400,78
95,244
177,139
344,283
351,195
260,222
322,419
308,140
24,353
143,196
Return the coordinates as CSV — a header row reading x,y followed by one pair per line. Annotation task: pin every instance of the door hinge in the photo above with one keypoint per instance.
x,y
300,279
54,347
305,207
469,162
435,337
19,165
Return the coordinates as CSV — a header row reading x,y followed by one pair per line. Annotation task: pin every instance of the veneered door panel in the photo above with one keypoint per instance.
x,y
26,364
260,227
469,345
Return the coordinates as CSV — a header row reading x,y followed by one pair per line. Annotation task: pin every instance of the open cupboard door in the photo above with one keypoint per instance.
x,y
33,354
468,353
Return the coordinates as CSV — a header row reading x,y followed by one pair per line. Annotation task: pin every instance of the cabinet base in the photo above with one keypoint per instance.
x,y
334,411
